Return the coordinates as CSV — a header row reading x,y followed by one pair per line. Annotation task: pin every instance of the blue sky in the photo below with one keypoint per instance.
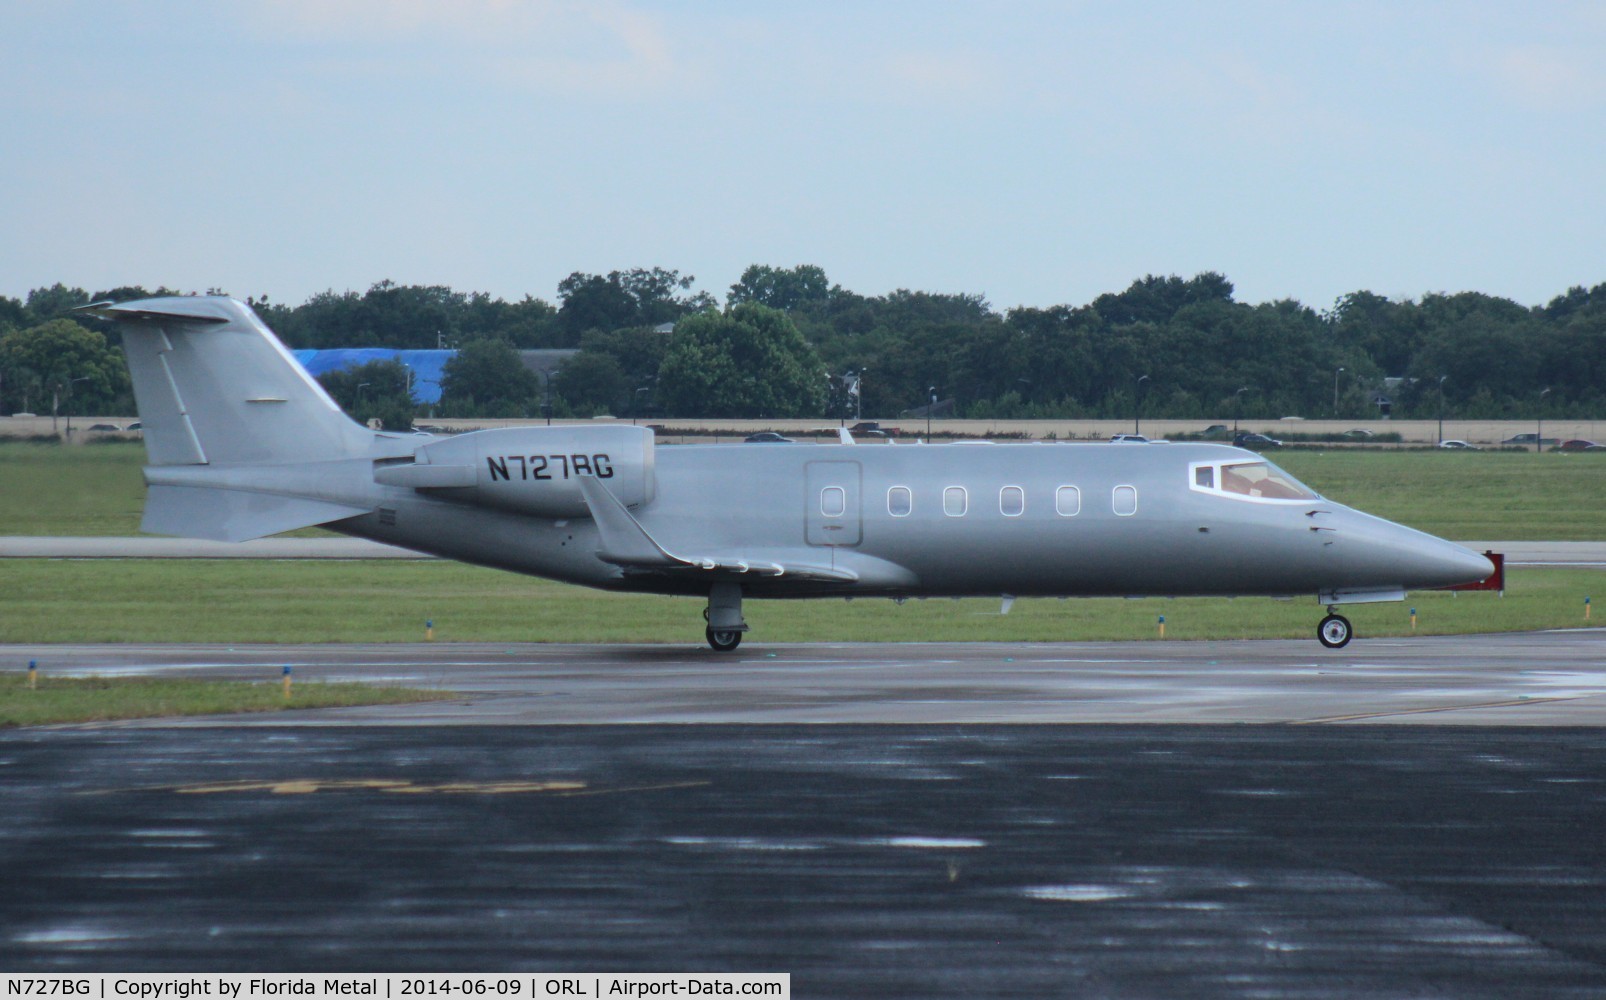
x,y
1034,153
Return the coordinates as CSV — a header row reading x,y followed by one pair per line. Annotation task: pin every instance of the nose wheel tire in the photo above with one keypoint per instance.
x,y
1334,632
723,640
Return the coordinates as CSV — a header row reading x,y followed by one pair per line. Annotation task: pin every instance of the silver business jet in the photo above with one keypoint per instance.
x,y
243,443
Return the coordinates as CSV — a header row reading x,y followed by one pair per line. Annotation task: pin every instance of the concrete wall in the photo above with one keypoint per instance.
x,y
1418,432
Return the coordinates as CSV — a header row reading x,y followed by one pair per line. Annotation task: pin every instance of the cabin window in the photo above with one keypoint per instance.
x,y
899,501
833,501
954,501
1205,476
1011,501
1125,501
1067,501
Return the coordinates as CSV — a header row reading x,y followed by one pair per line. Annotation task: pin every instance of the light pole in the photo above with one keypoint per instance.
x,y
1336,373
546,392
931,404
635,401
1137,416
360,387
1441,407
1237,411
70,384
858,395
1539,428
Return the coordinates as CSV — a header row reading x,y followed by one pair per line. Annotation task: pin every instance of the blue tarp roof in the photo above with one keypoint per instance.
x,y
426,365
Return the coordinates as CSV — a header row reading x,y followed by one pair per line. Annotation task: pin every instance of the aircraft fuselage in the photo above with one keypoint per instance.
x,y
958,520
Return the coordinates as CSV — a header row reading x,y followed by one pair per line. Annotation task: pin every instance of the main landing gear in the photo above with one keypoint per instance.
x,y
724,617
1334,632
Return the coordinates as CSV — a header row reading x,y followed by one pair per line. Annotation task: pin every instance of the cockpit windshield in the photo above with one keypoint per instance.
x,y
1262,479
1257,479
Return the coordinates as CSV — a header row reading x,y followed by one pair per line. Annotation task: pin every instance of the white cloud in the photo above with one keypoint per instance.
x,y
1551,78
602,48
941,75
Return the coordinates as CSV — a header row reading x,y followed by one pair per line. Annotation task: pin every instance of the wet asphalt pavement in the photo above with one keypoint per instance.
x,y
866,860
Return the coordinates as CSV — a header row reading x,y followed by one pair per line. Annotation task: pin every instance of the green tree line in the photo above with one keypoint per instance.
x,y
787,342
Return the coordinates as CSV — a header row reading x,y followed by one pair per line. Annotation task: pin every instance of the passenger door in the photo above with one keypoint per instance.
x,y
831,503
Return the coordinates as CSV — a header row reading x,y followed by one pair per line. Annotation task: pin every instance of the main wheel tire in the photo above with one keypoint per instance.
x,y
1334,632
723,640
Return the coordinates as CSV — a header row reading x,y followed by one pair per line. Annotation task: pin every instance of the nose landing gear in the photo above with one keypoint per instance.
x,y
1334,632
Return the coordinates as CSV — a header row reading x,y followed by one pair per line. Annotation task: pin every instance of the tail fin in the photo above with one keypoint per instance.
x,y
214,386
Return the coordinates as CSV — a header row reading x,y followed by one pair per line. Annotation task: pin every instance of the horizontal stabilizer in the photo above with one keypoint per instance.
x,y
233,515
199,313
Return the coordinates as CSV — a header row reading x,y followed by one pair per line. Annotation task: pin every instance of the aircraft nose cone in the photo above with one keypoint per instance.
x,y
1447,564
1414,560
1474,566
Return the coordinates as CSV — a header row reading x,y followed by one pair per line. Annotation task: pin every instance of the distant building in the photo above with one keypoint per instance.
x,y
426,366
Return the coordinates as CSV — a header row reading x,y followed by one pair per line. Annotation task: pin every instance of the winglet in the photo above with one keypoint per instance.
x,y
844,436
624,540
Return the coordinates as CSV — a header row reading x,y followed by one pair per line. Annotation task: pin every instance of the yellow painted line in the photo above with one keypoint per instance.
x,y
310,786
487,788
1427,711
641,788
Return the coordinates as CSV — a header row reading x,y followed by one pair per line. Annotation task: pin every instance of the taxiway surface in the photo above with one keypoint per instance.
x,y
1403,817
1543,678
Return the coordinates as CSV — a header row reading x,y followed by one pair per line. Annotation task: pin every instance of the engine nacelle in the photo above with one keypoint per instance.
x,y
533,470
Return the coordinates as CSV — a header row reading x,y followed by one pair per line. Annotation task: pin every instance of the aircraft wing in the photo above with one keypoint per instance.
x,y
626,544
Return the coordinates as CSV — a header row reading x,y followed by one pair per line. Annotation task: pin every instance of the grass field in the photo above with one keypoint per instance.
x,y
100,699
55,601
97,490
48,489
1516,496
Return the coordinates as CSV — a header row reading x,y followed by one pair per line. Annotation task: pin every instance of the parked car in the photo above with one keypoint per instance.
x,y
135,426
870,428
1128,439
1527,439
1217,432
104,427
1256,441
767,437
1578,444
1457,443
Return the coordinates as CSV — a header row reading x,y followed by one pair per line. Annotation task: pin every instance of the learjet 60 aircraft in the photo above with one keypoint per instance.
x,y
243,443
